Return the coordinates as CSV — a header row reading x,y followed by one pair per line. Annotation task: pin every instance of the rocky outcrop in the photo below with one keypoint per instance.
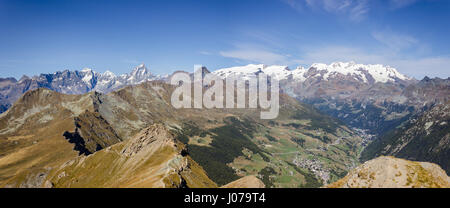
x,y
390,172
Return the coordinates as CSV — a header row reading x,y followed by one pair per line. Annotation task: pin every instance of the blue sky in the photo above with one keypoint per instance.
x,y
168,35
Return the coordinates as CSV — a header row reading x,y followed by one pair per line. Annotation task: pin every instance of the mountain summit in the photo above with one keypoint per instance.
x,y
139,74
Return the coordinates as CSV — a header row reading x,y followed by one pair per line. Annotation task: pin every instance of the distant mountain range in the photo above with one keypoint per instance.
x,y
338,70
369,97
63,129
71,82
373,98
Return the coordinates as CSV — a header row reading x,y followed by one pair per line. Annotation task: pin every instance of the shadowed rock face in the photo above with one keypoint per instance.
x,y
78,141
390,172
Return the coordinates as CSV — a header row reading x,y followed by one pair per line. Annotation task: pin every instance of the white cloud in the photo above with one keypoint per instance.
x,y
255,55
397,4
264,37
295,4
359,11
395,41
355,10
339,53
258,54
330,5
428,66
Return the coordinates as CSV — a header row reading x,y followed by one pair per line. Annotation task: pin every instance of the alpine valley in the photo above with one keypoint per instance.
x,y
90,129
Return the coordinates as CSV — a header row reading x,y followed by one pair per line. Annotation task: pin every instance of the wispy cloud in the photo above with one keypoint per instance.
x,y
258,54
267,38
295,4
397,4
255,55
355,10
359,11
394,40
428,66
339,53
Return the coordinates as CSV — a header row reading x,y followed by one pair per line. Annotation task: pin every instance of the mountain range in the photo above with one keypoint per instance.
x,y
56,128
71,82
369,97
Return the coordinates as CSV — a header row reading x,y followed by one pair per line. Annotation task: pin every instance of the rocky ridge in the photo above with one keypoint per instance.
x,y
390,172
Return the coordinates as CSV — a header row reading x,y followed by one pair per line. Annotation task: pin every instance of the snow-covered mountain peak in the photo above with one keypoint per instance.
x,y
375,72
280,72
251,68
240,71
141,69
89,77
140,66
23,78
365,73
139,74
86,70
108,74
299,73
319,66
